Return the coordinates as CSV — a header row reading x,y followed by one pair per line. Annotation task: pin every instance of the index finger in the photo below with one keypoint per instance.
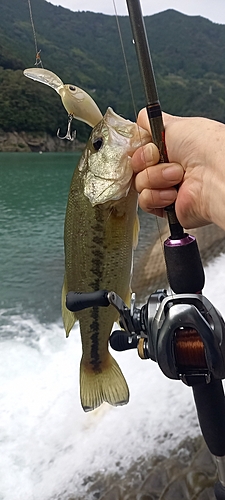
x,y
145,157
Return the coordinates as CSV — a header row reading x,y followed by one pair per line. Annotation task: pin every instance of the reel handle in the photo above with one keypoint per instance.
x,y
122,341
76,301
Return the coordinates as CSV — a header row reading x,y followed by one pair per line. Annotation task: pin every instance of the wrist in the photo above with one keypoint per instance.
x,y
216,175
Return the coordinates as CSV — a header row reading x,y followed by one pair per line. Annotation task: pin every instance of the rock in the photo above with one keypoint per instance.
x,y
35,142
189,473
145,497
207,494
156,480
112,494
177,490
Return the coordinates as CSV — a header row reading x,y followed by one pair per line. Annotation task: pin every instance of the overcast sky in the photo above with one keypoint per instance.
x,y
213,10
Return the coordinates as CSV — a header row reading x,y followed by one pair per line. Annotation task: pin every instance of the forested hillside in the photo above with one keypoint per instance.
x,y
83,48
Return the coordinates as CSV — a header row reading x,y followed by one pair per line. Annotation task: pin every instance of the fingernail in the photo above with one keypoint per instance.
x,y
167,195
173,173
146,154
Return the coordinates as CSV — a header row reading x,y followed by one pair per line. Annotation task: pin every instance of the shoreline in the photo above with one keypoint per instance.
x,y
36,142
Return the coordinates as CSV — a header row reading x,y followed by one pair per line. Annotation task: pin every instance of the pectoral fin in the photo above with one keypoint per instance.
x,y
136,231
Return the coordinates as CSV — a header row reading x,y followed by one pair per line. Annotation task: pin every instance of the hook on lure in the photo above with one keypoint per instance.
x,y
76,101
70,136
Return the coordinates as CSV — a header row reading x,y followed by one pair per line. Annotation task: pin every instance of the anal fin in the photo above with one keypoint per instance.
x,y
68,317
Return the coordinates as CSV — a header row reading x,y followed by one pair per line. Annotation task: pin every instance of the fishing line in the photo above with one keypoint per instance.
x,y
136,114
38,61
125,60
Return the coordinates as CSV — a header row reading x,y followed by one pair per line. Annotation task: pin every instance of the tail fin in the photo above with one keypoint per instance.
x,y
108,385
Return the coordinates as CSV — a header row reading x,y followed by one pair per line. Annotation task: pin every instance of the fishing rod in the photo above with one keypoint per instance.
x,y
181,331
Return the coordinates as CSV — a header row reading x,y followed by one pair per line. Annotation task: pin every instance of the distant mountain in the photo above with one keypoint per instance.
x,y
84,48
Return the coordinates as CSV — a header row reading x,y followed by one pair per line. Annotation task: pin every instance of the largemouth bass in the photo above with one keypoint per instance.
x,y
101,231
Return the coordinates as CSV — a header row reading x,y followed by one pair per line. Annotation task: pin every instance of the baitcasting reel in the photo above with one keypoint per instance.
x,y
183,333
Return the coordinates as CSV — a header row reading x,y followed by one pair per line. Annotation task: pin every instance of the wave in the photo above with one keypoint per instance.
x,y
48,445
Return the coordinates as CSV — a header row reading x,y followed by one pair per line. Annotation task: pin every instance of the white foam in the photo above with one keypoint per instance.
x,y
48,444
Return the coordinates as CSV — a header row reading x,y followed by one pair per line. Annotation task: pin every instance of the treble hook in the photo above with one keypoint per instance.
x,y
38,61
70,136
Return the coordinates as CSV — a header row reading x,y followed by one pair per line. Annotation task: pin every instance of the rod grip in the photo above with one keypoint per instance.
x,y
184,265
210,404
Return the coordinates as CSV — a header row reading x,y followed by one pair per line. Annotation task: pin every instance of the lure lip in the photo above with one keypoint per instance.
x,y
44,76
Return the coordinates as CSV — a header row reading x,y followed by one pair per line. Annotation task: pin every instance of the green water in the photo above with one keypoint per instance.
x,y
33,197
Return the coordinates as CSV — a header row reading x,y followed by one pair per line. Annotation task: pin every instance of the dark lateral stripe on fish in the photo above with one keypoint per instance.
x,y
97,254
94,326
96,264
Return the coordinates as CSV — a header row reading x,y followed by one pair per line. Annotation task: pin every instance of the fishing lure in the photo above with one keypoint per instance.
x,y
78,103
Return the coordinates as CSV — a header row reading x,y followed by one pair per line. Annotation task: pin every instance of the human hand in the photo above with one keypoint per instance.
x,y
196,151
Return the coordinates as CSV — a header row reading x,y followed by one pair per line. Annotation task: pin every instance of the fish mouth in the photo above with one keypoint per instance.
x,y
112,118
111,191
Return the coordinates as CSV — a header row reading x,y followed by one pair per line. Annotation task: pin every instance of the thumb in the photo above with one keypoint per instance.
x,y
143,120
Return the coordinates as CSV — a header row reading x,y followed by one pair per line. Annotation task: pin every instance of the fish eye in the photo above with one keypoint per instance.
x,y
71,87
97,143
